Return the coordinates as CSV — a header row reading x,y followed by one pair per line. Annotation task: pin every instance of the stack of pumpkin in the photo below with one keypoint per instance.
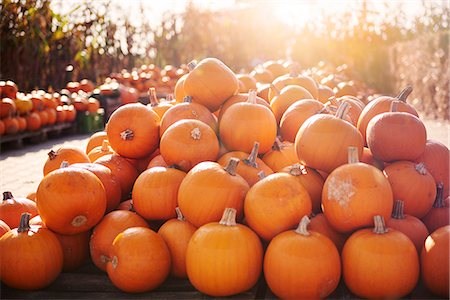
x,y
236,184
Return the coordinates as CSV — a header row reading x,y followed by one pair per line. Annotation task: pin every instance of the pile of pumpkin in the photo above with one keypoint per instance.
x,y
225,186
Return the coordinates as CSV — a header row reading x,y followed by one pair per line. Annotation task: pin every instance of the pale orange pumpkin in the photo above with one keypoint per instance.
x,y
275,67
295,79
179,89
262,75
324,93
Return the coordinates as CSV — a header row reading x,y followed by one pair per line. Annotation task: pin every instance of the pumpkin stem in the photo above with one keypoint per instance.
x,y
7,196
196,134
78,221
179,214
228,217
274,89
261,175
231,167
404,93
169,97
277,145
394,106
64,164
297,170
420,167
397,213
127,135
51,154
187,99
152,96
342,110
105,146
353,155
380,226
191,66
24,224
251,160
303,226
251,96
439,202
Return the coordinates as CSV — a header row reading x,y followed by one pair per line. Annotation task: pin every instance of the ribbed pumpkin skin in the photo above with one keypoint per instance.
x,y
322,142
30,260
434,261
155,193
302,267
58,200
211,83
353,194
138,248
207,190
143,124
380,265
215,254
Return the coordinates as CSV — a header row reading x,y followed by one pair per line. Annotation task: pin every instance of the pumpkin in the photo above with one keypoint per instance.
x,y
380,262
4,228
322,141
238,98
283,154
355,108
413,184
106,231
33,121
155,105
263,92
109,181
246,122
179,89
43,115
155,193
11,125
141,164
278,190
434,262
350,198
75,249
61,115
286,97
123,170
436,158
176,233
262,75
138,246
96,140
126,205
411,226
2,128
208,188
368,158
217,251
8,89
133,130
439,215
22,122
276,68
58,200
69,154
40,259
311,180
188,110
23,104
157,161
187,143
248,82
296,114
220,80
320,224
302,264
100,151
294,79
7,107
92,105
250,164
383,104
86,85
71,113
324,93
346,89
12,208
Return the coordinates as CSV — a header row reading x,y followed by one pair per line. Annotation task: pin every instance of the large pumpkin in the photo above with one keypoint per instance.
x,y
12,208
216,253
68,154
208,189
32,257
302,264
380,262
133,130
220,81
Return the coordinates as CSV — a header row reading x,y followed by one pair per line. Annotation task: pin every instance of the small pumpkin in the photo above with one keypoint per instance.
x,y
249,83
320,224
157,161
283,154
7,107
439,215
12,208
11,125
100,151
294,78
238,98
96,140
33,121
69,154
75,249
179,89
158,107
287,96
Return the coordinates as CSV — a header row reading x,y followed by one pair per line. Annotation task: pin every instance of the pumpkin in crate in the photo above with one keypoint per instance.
x,y
11,208
69,154
302,264
32,256
217,251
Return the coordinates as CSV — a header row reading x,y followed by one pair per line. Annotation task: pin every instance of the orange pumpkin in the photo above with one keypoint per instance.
x,y
439,215
322,141
106,231
41,256
262,75
263,92
179,89
275,67
133,130
33,121
12,208
368,158
86,85
11,125
155,193
413,184
238,98
71,113
100,151
208,189
157,161
177,234
141,164
248,82
246,122
411,226
302,258
220,80
66,153
287,96
434,262
22,122
320,224
58,200
43,115
4,228
8,89
350,198
7,107
217,250
283,154
155,105
96,140
294,79
380,262
324,93
75,249
93,105
61,115
279,190
138,246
